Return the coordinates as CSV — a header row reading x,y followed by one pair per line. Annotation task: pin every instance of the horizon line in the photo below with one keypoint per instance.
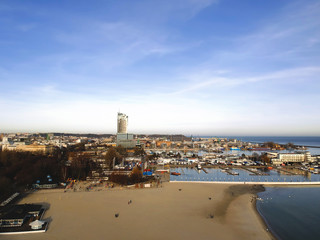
x,y
186,135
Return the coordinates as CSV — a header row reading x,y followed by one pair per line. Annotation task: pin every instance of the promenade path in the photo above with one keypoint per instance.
x,y
255,183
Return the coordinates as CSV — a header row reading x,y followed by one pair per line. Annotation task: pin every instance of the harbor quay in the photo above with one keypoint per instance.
x,y
253,183
248,174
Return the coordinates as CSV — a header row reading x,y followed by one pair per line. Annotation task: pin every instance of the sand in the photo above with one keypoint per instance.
x,y
156,213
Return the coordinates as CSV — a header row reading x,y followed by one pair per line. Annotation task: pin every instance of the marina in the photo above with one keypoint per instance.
x,y
242,175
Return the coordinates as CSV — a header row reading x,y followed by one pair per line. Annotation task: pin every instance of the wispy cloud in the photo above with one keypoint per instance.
x,y
284,48
287,35
162,11
204,80
170,65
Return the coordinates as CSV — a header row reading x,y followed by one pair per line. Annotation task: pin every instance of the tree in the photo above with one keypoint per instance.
x,y
264,158
151,157
20,169
270,144
111,155
255,156
136,174
5,185
121,151
119,178
79,167
290,146
139,151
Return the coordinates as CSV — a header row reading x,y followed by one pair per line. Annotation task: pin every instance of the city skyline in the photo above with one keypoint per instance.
x,y
193,67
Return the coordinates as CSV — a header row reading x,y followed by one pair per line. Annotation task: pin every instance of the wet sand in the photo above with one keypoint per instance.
x,y
157,213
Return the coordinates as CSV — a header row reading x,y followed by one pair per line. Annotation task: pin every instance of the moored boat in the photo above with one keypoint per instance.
x,y
162,170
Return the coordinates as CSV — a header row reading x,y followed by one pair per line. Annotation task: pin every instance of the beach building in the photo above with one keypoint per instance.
x,y
45,185
37,224
17,215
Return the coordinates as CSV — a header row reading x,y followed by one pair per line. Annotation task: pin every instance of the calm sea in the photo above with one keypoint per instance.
x,y
304,141
291,213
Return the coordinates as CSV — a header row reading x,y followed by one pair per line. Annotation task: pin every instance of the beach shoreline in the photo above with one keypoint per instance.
x,y
264,222
176,210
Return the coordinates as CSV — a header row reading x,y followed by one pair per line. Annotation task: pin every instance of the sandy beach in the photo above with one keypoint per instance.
x,y
197,211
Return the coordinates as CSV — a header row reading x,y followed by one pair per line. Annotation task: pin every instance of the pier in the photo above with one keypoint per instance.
x,y
255,173
229,171
279,170
205,170
307,146
251,183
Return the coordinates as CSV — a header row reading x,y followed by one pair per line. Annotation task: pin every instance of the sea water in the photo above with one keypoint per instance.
x,y
300,140
304,141
291,212
216,174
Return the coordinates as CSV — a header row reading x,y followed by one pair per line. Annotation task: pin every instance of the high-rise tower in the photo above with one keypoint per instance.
x,y
122,123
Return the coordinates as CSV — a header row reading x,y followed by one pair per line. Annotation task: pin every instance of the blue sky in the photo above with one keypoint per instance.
x,y
201,67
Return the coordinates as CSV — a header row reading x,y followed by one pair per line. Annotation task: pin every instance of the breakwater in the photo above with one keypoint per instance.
x,y
252,183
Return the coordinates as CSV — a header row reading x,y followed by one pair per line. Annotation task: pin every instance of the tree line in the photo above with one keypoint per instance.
x,y
21,169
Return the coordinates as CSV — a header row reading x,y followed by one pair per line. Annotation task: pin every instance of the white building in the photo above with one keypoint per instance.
x,y
122,123
292,158
124,138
